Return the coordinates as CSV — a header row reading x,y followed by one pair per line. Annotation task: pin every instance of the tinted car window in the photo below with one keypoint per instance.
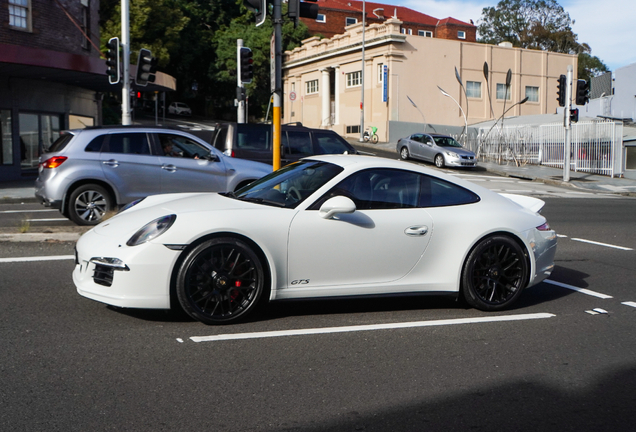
x,y
60,143
253,137
219,139
180,146
128,143
96,144
330,144
298,144
439,193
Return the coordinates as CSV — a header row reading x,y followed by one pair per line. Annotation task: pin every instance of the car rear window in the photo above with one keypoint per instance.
x,y
253,137
61,142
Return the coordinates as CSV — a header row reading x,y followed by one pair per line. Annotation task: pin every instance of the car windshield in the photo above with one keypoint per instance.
x,y
290,185
444,141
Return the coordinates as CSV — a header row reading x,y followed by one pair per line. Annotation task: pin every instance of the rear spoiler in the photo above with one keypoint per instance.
x,y
534,204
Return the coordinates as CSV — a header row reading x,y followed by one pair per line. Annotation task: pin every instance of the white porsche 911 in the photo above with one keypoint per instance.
x,y
327,226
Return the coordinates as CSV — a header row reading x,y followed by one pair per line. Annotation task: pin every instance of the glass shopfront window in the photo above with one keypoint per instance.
x,y
37,133
6,155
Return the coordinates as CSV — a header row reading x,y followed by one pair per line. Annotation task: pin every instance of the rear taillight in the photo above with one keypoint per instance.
x,y
53,162
544,227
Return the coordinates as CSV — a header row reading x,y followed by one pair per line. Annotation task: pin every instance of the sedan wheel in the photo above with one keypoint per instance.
x,y
220,281
495,273
439,161
404,153
88,204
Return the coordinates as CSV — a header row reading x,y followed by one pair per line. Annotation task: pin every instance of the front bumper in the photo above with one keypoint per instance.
x,y
110,272
462,161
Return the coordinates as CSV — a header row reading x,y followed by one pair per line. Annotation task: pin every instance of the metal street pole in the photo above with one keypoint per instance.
x,y
240,110
125,79
278,83
568,125
364,13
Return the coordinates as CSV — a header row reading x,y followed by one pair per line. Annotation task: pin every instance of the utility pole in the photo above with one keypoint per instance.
x,y
364,15
125,79
278,82
568,125
240,113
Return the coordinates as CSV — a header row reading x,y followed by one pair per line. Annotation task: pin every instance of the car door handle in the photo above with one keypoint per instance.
x,y
111,162
170,168
416,231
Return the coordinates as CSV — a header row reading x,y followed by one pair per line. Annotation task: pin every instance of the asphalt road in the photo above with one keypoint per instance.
x,y
71,364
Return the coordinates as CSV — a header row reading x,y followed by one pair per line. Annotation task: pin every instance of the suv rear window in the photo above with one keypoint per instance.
x,y
329,143
253,137
61,142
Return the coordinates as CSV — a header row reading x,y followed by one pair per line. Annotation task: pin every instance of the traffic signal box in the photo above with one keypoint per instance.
x,y
582,92
246,69
259,7
146,68
561,90
112,60
297,9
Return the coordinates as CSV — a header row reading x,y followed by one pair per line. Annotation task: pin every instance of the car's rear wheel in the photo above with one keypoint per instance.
x,y
220,281
439,161
88,204
495,273
404,153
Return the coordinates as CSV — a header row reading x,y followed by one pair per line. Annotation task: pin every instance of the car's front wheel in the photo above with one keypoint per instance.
x,y
439,161
88,204
404,153
495,273
220,281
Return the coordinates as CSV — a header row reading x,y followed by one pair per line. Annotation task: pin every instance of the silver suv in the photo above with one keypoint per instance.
x,y
88,172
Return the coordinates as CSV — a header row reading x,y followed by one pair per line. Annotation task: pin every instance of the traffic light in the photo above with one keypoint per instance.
x,y
240,94
582,92
259,7
112,60
246,70
146,68
561,90
574,115
306,9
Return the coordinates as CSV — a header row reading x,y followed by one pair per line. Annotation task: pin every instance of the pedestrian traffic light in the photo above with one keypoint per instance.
x,y
574,115
259,7
561,90
582,92
306,9
246,70
240,94
146,68
112,60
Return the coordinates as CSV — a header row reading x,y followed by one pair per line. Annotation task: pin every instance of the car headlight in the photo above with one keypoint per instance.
x,y
453,155
152,230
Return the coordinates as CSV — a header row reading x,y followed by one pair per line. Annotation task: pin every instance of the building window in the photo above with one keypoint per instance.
x,y
84,24
473,89
353,129
503,92
380,73
461,34
312,87
37,133
354,79
6,156
350,21
403,31
532,93
20,14
321,18
424,33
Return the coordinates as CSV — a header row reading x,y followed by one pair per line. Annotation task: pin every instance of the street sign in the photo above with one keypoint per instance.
x,y
292,96
385,86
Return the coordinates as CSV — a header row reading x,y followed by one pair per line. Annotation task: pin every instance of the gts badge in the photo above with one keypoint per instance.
x,y
300,282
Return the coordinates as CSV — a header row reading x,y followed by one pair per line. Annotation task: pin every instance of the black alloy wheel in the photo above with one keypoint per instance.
x,y
220,281
495,273
88,204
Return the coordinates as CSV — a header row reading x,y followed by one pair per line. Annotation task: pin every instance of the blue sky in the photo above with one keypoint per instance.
x,y
608,26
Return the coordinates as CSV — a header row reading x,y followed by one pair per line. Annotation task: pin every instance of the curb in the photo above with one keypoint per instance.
x,y
41,237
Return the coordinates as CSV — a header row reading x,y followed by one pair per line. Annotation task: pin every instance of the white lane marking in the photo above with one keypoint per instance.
x,y
602,244
632,304
28,211
581,290
47,220
39,258
562,235
346,329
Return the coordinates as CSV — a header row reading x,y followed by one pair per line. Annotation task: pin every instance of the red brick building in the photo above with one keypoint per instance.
x,y
335,15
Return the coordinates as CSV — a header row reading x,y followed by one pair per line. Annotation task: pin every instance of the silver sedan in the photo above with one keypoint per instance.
x,y
442,150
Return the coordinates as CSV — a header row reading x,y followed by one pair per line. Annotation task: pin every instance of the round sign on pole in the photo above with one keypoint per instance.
x,y
292,96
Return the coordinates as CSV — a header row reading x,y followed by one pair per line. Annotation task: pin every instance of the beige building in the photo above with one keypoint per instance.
x,y
322,80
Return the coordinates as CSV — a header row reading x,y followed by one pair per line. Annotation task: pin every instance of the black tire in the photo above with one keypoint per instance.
x,y
495,273
404,153
220,281
374,139
88,204
439,161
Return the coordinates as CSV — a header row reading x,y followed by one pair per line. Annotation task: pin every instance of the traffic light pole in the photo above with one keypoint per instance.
x,y
125,79
568,125
240,110
278,83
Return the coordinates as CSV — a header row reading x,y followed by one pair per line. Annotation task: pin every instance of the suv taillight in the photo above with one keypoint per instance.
x,y
53,162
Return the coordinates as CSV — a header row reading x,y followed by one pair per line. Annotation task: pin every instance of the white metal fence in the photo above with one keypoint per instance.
x,y
596,147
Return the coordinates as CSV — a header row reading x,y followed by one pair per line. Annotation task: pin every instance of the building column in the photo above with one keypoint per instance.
x,y
324,90
336,114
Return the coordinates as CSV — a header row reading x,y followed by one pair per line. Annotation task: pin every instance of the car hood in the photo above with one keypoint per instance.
x,y
459,150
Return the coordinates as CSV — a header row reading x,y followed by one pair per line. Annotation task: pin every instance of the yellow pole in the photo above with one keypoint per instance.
x,y
277,133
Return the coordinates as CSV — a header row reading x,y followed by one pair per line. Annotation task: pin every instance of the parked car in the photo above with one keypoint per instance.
x,y
179,108
254,141
326,226
442,150
88,172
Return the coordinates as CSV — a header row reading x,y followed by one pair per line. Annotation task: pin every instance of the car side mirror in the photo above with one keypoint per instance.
x,y
336,205
211,157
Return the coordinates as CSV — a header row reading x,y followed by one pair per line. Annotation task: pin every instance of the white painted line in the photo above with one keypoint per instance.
x,y
599,310
347,329
562,235
47,220
602,244
40,258
581,290
592,312
632,304
28,211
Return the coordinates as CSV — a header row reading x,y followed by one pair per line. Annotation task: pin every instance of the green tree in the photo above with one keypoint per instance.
x,y
590,66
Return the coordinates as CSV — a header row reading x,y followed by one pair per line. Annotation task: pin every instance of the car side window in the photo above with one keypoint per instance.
x,y
417,138
96,144
128,143
376,189
329,144
298,144
180,146
439,193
